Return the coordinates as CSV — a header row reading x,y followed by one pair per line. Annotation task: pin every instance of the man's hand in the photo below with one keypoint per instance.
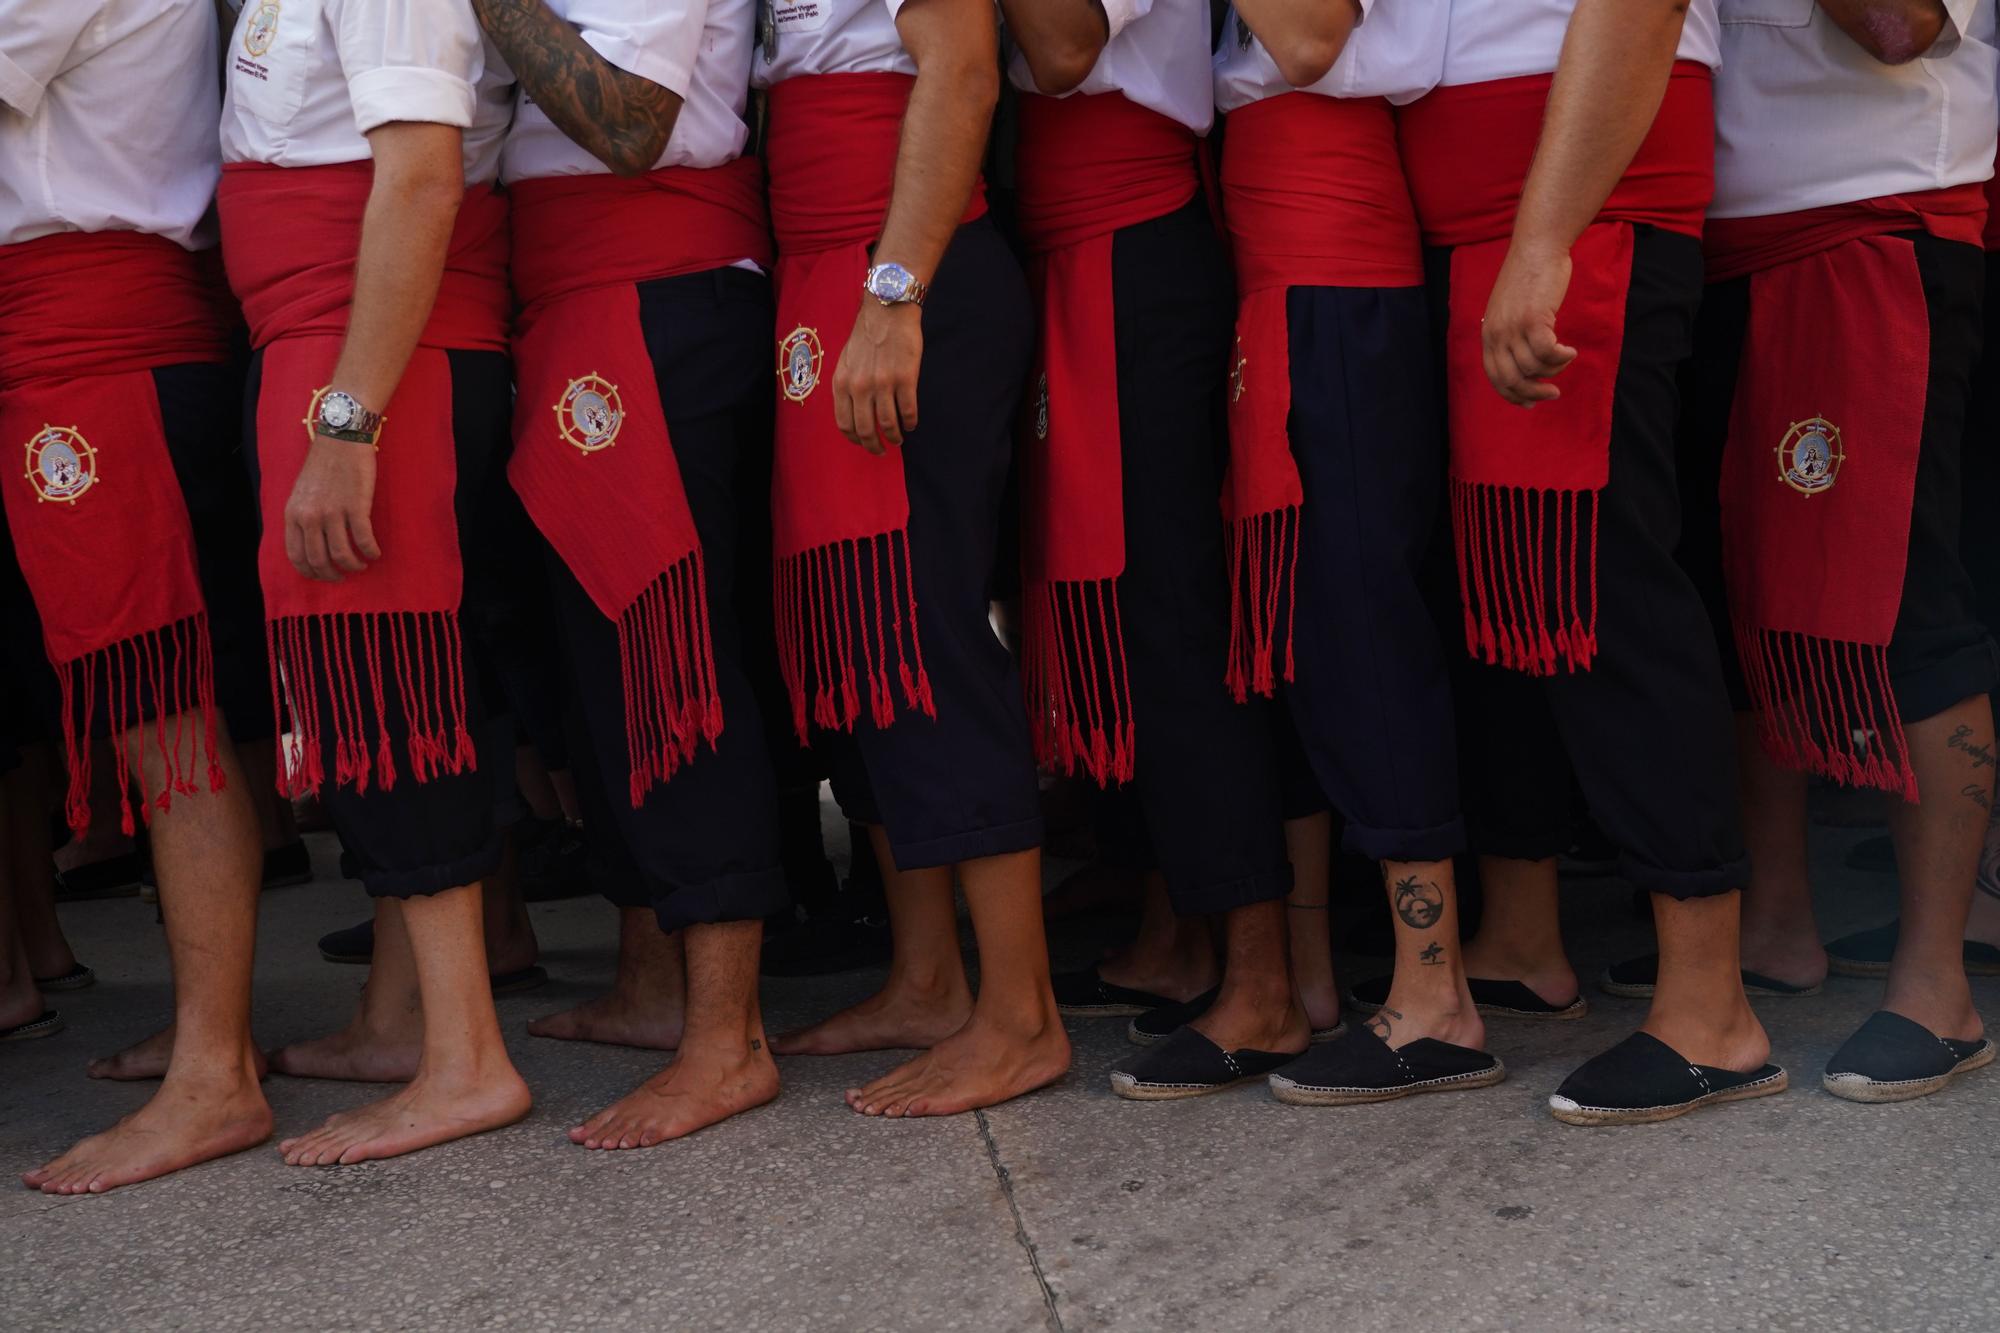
x,y
328,523
1518,336
875,384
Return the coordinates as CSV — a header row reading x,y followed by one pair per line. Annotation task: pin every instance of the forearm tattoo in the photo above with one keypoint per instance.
x,y
620,119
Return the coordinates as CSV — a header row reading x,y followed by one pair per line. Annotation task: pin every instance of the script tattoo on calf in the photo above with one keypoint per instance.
x,y
1974,792
1961,739
620,119
1419,902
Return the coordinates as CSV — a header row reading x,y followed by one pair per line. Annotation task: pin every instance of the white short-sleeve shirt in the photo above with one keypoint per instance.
x,y
1504,39
699,49
1397,52
1157,55
827,37
1804,117
305,80
107,118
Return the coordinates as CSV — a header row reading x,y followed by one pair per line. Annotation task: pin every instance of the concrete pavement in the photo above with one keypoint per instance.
x,y
1067,1210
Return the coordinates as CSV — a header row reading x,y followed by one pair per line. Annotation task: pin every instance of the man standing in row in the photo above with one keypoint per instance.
x,y
641,345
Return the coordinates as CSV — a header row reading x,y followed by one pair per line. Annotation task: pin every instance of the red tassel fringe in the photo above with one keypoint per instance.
x,y
834,603
346,658
173,669
1263,583
667,664
1078,685
1827,707
1527,575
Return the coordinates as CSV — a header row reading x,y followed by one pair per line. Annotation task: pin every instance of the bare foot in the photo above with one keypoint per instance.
x,y
433,1109
693,1092
357,1053
898,1017
982,1064
148,1059
616,1019
193,1118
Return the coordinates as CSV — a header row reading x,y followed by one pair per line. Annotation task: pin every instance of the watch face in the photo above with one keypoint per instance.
x,y
337,410
892,282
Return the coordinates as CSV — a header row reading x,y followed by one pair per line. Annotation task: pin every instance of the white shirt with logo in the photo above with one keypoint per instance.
x,y
1397,52
1505,39
828,37
1157,55
107,118
305,80
698,49
1804,117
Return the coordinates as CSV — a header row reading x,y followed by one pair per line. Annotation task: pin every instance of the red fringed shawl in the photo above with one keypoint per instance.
x,y
592,459
290,239
1524,485
99,526
846,602
1314,196
1088,166
1820,470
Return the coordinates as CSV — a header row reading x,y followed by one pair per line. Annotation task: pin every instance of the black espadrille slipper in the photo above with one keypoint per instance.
x,y
47,1025
1087,994
1642,1080
1891,1058
355,944
1361,1067
1187,1064
1866,953
1507,999
77,978
1158,1024
1633,979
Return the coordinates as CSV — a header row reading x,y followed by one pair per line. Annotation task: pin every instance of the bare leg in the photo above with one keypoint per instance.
x,y
648,996
30,867
926,997
510,937
1310,843
274,812
1699,1007
1428,995
1780,936
1172,955
1257,1007
1014,1042
465,1084
103,839
1520,932
533,781
1983,922
20,1002
722,1069
209,1104
384,1042
1938,844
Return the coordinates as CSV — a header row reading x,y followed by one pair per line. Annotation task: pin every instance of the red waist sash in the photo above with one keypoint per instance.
x,y
593,461
1313,192
1524,485
84,320
291,236
846,604
1736,246
1820,470
1088,166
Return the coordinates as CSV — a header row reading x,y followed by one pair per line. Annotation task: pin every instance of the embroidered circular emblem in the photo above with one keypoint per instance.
x,y
589,413
799,359
61,464
1042,407
262,29
1809,457
1236,371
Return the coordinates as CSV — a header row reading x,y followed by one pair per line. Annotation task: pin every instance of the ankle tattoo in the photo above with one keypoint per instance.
x,y
1433,955
1419,902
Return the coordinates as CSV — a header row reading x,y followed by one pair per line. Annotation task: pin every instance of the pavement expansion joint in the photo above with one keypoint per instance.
x,y
1021,1236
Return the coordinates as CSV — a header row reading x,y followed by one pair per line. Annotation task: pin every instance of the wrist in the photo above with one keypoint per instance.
x,y
336,414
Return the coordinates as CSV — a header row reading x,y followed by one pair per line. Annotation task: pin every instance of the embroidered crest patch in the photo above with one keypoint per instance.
x,y
61,464
799,359
589,413
1810,455
1042,407
262,29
